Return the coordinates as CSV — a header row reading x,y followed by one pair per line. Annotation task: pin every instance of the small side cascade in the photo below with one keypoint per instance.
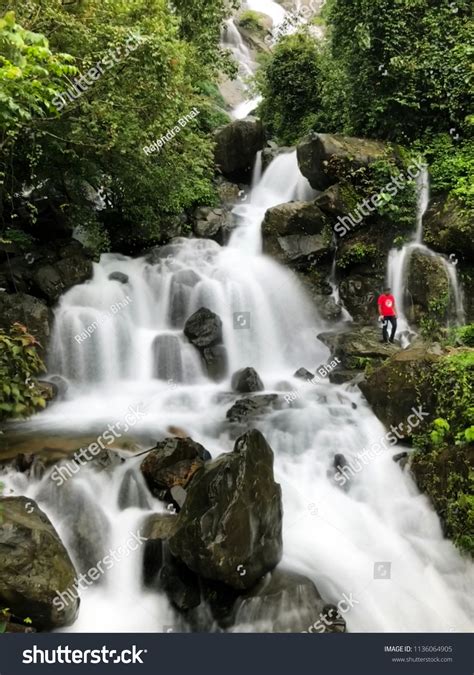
x,y
399,261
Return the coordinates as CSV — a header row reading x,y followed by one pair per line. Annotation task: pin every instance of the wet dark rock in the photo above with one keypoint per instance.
x,y
293,218
339,461
119,276
447,227
334,202
156,529
212,223
342,375
249,408
303,374
180,584
332,620
50,281
401,458
236,147
246,380
216,361
232,516
283,602
294,231
399,385
175,461
427,281
34,566
316,154
358,347
359,292
203,329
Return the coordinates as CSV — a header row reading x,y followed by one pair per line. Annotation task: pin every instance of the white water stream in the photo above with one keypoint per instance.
x,y
399,261
334,536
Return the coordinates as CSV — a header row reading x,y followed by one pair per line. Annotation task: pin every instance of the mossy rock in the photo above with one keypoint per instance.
x,y
445,475
397,385
448,228
34,566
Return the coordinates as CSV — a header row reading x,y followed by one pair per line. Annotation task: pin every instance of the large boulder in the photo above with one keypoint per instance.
x,y
318,155
51,281
203,329
359,292
294,231
358,347
284,602
246,380
399,384
293,218
248,408
212,223
34,566
174,462
448,228
335,201
229,528
156,529
427,285
237,144
29,310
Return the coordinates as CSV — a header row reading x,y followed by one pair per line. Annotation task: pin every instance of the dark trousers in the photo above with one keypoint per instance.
x,y
385,322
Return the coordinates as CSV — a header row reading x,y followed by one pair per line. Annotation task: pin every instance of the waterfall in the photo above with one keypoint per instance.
x,y
282,182
232,39
337,537
399,260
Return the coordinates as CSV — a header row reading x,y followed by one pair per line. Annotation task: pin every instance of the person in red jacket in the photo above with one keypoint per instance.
x,y
387,312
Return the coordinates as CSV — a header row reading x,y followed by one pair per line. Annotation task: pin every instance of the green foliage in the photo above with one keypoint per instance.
x,y
462,336
252,20
394,70
407,64
358,253
20,394
30,77
438,433
357,183
289,83
432,324
460,519
96,141
443,457
452,168
14,236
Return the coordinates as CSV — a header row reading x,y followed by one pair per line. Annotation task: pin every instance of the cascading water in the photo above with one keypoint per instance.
x,y
232,39
281,182
335,536
398,265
